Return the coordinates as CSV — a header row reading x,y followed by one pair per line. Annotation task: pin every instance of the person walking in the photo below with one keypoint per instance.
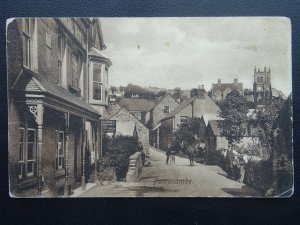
x,y
191,153
168,153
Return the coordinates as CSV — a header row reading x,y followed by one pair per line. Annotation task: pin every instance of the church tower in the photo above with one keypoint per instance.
x,y
262,91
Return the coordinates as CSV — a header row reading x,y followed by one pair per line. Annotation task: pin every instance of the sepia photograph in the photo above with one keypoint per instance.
x,y
149,107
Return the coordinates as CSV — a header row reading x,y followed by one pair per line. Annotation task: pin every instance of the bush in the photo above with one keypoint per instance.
x,y
116,153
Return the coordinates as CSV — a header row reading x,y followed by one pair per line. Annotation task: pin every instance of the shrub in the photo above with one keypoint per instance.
x,y
116,153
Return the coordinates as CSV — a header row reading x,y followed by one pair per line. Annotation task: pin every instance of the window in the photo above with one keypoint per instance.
x,y
27,152
27,41
74,71
21,152
97,82
183,119
60,150
167,109
60,57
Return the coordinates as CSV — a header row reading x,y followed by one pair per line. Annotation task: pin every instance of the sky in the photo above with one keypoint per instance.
x,y
187,52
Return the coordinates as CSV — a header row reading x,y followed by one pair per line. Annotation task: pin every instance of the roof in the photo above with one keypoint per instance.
x,y
32,82
277,93
136,104
214,124
222,86
180,107
94,52
160,100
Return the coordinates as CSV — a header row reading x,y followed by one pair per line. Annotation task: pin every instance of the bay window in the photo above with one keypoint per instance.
x,y
97,81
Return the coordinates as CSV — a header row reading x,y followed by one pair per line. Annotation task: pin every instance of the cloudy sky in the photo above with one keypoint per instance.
x,y
187,52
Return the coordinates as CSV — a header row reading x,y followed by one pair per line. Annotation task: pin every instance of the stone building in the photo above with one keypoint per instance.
x,y
220,90
162,108
140,108
127,124
57,82
262,90
201,105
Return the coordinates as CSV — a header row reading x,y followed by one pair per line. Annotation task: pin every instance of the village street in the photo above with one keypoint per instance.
x,y
161,180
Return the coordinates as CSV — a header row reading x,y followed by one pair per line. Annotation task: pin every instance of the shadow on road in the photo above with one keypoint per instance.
x,y
141,190
245,191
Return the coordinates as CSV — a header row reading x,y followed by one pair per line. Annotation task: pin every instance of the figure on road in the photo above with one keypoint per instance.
x,y
191,153
168,153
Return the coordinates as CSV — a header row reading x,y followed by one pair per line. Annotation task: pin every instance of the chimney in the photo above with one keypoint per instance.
x,y
219,81
235,81
201,91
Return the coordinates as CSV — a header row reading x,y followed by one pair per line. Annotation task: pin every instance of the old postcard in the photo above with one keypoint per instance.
x,y
150,107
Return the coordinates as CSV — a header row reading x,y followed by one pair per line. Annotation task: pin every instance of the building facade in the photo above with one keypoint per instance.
x,y
162,108
57,82
198,106
220,90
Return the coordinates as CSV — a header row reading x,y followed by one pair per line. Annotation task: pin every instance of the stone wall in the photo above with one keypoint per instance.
x,y
135,167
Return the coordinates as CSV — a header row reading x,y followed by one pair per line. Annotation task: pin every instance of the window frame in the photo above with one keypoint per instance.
x,y
59,167
167,109
24,164
27,41
101,83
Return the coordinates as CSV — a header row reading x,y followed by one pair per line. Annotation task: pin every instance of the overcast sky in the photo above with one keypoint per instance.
x,y
187,52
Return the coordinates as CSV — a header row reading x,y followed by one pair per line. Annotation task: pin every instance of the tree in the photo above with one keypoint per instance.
x,y
187,133
161,94
113,89
265,119
233,111
143,93
177,93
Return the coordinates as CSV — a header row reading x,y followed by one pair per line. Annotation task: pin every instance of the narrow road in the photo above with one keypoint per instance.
x,y
179,180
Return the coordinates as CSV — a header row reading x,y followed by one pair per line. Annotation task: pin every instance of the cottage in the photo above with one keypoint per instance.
x,y
140,108
53,127
161,109
127,124
201,105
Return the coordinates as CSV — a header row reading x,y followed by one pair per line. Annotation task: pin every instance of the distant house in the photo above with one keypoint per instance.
x,y
215,142
160,110
140,108
126,124
195,107
220,90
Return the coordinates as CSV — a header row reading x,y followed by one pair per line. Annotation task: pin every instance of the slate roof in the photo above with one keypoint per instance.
x,y
160,100
180,107
136,104
94,52
32,82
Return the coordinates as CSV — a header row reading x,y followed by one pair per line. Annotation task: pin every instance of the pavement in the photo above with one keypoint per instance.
x,y
176,180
